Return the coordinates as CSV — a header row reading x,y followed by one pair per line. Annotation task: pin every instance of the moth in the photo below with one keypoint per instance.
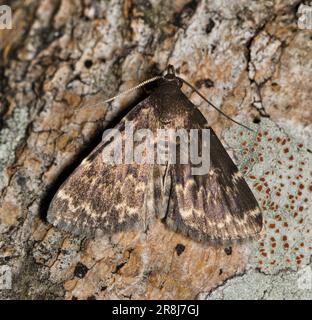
x,y
100,198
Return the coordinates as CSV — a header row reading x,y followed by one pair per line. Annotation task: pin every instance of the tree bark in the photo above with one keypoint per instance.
x,y
63,58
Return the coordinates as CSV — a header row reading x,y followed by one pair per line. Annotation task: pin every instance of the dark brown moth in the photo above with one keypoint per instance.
x,y
102,199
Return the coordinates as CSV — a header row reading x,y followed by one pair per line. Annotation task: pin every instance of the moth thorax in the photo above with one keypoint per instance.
x,y
172,79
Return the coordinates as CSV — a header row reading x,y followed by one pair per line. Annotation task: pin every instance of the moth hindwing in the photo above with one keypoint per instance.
x,y
102,197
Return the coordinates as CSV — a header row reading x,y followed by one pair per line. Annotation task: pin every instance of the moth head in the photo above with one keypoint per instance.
x,y
171,78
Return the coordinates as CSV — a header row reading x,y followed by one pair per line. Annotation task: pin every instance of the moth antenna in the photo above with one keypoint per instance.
x,y
224,114
126,91
134,88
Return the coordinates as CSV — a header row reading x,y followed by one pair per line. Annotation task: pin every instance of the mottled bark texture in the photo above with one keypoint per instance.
x,y
63,57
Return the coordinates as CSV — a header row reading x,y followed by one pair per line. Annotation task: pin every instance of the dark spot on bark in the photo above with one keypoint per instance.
x,y
179,249
21,180
180,19
212,48
228,251
209,26
46,35
80,270
4,104
208,83
119,266
88,63
74,298
220,272
256,119
283,44
91,298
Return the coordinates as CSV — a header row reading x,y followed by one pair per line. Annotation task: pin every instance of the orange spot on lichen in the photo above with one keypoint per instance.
x,y
259,188
278,217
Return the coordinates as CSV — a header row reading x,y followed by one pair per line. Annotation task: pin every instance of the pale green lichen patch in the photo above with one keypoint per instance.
x,y
10,138
256,286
